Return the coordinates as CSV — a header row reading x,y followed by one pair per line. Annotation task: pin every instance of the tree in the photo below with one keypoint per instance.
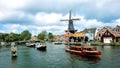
x,y
6,37
25,35
1,37
42,35
9,37
50,35
14,37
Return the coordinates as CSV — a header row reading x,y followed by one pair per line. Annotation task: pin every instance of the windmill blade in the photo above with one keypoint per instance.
x,y
64,20
75,19
70,15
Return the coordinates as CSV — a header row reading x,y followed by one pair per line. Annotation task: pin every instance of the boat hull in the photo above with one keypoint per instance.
x,y
85,53
41,48
30,45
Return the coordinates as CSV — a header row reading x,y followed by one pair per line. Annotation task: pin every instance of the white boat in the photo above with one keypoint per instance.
x,y
58,43
30,44
40,46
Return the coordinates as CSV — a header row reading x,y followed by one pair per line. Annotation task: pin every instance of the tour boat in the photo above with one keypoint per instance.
x,y
40,46
84,51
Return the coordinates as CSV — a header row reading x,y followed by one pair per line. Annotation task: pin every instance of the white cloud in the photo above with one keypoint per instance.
x,y
118,20
55,28
38,15
12,4
47,19
93,23
2,31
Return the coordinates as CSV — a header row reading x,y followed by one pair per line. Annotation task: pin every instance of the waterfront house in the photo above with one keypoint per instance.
x,y
117,29
90,33
107,35
99,33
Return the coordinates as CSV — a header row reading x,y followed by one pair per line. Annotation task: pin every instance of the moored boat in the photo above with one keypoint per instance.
x,y
40,46
84,51
30,44
58,43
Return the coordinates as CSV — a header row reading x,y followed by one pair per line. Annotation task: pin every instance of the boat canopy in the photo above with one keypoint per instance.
x,y
79,35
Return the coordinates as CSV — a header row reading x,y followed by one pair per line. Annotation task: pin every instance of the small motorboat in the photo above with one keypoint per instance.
x,y
40,46
56,43
30,44
84,51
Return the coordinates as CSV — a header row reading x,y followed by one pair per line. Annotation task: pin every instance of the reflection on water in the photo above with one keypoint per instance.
x,y
85,58
91,59
14,62
14,59
57,57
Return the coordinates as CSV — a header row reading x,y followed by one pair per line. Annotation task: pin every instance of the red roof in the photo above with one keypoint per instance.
x,y
111,31
114,33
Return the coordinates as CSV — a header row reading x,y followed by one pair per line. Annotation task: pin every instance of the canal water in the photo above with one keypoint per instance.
x,y
56,57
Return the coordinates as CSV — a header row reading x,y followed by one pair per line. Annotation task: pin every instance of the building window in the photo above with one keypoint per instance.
x,y
91,35
99,35
108,34
119,39
88,31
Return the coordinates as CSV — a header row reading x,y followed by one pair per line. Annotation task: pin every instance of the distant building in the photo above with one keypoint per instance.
x,y
59,38
107,35
90,33
66,36
34,38
117,29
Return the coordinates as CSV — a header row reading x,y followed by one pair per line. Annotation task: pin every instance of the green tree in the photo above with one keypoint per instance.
x,y
7,37
42,35
14,37
50,35
25,35
1,36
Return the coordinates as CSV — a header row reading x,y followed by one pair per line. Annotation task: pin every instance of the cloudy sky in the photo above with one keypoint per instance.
x,y
39,15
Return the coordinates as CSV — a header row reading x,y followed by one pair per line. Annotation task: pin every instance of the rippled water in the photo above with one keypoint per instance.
x,y
56,57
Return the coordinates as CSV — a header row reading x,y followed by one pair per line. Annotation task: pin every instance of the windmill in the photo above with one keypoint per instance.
x,y
71,28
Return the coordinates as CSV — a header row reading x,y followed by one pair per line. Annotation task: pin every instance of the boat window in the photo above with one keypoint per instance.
x,y
88,49
95,48
79,49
